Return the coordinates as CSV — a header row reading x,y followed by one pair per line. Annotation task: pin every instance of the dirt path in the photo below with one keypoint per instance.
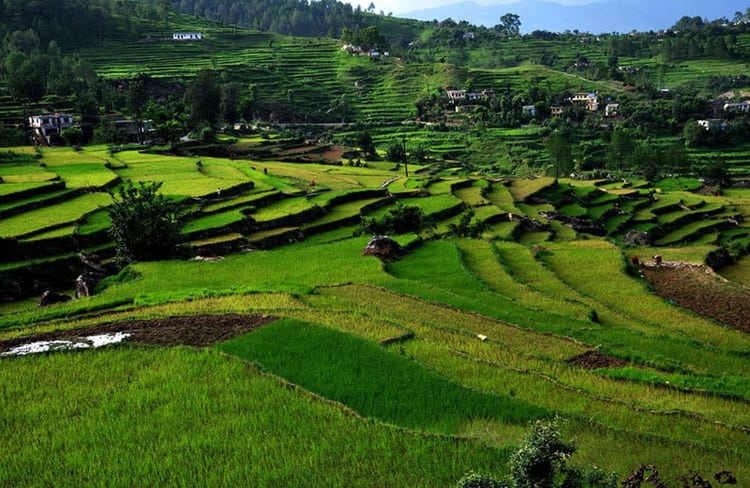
x,y
698,288
197,330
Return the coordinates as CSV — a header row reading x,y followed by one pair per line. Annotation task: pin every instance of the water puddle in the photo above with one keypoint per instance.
x,y
68,345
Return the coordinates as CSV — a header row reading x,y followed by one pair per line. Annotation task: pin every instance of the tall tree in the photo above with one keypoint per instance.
x,y
510,25
146,226
203,99
620,148
558,148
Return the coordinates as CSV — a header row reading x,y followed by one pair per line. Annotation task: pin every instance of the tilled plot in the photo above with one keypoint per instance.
x,y
195,330
699,289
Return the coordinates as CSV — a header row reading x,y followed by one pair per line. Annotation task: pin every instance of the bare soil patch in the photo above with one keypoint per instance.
x,y
196,330
595,360
699,289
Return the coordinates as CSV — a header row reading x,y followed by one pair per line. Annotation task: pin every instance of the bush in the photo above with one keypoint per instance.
x,y
396,152
465,228
145,225
542,462
400,220
474,480
72,136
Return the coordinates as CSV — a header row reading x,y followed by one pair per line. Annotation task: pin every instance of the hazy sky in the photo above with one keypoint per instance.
x,y
401,6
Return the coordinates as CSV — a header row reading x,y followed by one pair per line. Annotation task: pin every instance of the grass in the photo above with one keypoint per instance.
x,y
397,342
374,382
739,272
66,212
188,417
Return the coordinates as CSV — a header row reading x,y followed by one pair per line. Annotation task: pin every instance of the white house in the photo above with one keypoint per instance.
x,y
49,126
529,109
712,124
458,96
611,109
590,99
455,96
187,36
737,107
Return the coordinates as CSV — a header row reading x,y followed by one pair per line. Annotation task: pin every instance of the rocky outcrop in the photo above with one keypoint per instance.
x,y
637,238
86,282
50,298
384,248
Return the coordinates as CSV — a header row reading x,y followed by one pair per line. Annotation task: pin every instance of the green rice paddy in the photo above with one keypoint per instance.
x,y
406,373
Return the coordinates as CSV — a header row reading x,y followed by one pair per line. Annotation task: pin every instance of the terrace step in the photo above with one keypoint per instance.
x,y
268,239
33,203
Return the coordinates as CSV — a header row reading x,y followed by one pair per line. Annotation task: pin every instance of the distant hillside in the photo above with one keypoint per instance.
x,y
596,17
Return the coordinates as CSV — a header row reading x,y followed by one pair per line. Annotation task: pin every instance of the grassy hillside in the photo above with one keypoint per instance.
x,y
487,333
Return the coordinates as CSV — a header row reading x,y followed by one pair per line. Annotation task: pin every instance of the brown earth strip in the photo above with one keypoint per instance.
x,y
699,289
196,330
595,360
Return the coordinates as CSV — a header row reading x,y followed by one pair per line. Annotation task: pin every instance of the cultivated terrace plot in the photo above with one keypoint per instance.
x,y
273,323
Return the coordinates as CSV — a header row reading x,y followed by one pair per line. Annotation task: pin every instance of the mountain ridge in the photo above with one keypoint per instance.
x,y
596,17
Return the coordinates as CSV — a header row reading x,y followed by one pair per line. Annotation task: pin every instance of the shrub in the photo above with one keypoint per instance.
x,y
474,480
465,228
145,225
542,462
400,220
72,136
396,152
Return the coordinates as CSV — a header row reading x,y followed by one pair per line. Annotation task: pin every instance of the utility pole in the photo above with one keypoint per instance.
x,y
406,160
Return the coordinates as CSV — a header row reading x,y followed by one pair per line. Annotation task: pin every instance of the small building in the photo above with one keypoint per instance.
x,y
590,99
46,129
737,107
712,124
456,97
611,109
529,110
629,69
187,36
133,130
556,110
469,35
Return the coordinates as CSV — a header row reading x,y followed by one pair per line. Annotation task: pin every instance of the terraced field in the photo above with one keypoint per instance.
x,y
430,365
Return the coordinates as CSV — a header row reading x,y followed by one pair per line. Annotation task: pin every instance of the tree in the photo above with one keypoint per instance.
x,y
402,219
230,96
541,456
203,99
648,159
620,149
558,147
247,103
364,141
510,25
137,98
145,225
29,80
396,152
542,461
72,135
